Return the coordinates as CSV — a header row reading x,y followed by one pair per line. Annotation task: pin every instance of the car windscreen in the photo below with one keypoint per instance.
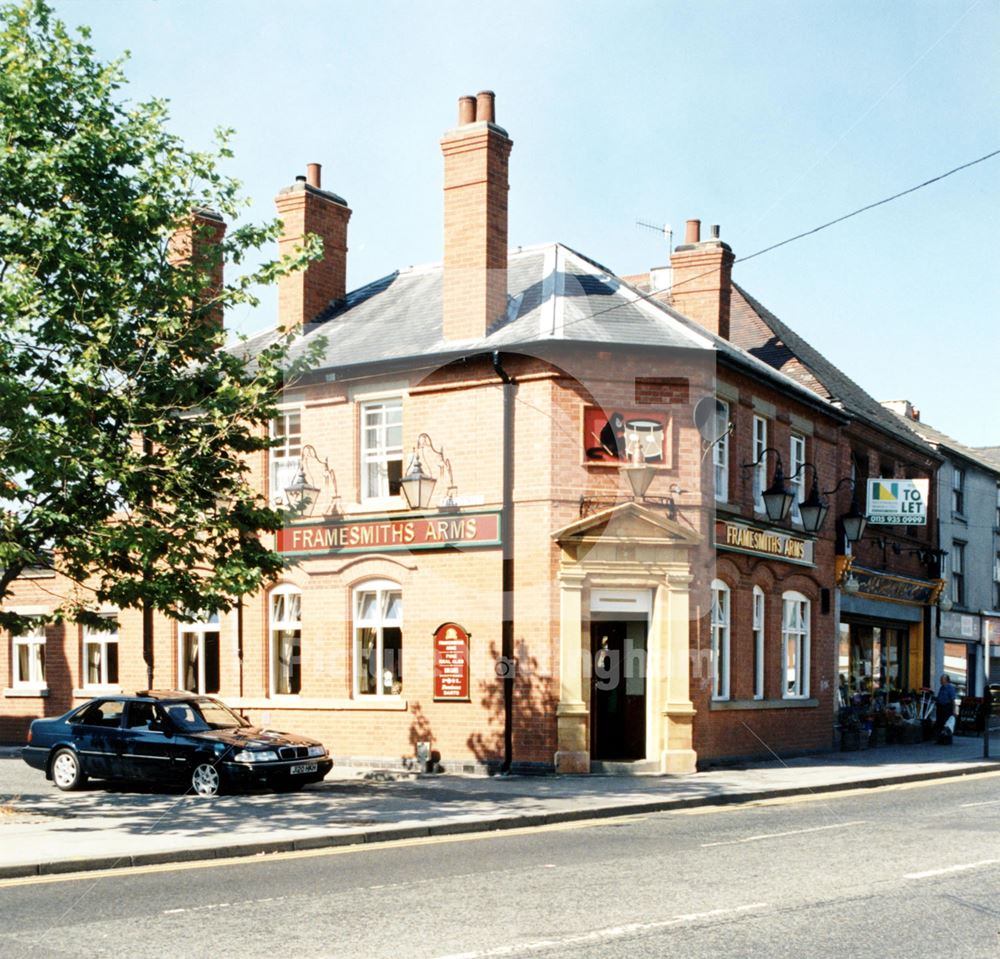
x,y
195,716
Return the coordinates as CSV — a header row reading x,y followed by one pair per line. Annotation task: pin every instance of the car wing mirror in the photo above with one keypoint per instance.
x,y
161,726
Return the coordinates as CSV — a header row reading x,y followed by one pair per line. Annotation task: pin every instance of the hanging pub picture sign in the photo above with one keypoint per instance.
x,y
617,436
451,663
898,502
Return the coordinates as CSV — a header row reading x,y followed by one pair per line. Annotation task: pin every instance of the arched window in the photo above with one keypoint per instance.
x,y
378,639
795,634
720,640
285,609
758,643
198,644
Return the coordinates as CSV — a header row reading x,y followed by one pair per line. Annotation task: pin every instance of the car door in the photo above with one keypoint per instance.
x,y
97,736
148,751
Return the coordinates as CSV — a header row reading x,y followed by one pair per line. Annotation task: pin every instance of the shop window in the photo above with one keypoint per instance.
x,y
381,448
378,639
100,654
720,640
796,476
286,454
958,573
199,651
286,640
958,491
720,455
795,613
758,643
28,657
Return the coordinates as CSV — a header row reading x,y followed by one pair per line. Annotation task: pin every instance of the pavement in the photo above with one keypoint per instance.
x,y
105,826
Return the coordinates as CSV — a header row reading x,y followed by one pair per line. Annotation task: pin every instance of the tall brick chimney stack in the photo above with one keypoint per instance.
x,y
198,242
476,155
703,279
304,207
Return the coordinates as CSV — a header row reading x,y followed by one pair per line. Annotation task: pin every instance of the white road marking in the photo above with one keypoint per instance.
x,y
781,835
988,802
947,869
601,935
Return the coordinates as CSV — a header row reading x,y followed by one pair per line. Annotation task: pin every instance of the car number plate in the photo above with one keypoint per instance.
x,y
304,768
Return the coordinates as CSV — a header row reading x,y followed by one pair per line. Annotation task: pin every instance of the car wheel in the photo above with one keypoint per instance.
x,y
67,773
205,780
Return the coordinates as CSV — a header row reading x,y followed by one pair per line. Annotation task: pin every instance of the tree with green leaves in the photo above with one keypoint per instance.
x,y
125,422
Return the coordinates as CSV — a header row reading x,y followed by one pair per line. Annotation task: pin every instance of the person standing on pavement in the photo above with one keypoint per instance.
x,y
945,702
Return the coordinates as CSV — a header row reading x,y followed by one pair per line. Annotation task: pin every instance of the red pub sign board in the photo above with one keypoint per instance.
x,y
380,535
451,663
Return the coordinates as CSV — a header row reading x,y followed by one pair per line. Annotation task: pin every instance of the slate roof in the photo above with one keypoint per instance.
x,y
943,442
555,295
764,336
992,453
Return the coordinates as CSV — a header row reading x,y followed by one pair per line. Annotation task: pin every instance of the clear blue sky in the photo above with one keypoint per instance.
x,y
768,117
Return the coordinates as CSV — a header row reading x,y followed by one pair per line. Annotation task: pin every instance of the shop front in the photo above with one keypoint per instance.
x,y
881,652
961,650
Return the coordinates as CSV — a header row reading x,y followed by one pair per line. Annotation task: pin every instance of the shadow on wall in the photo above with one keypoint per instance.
x,y
534,713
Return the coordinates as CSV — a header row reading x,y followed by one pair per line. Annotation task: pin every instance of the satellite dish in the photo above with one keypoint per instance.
x,y
711,418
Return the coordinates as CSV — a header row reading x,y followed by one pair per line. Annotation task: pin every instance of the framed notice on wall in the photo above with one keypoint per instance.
x,y
451,663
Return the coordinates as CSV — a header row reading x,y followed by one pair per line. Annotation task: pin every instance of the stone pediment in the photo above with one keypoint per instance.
x,y
628,523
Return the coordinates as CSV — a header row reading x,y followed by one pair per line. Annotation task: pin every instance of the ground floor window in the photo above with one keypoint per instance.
x,y
29,657
795,637
720,640
286,640
378,639
758,643
199,651
100,654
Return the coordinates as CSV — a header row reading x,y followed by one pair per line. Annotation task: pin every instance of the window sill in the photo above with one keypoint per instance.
x,y
386,703
26,692
89,692
735,704
391,504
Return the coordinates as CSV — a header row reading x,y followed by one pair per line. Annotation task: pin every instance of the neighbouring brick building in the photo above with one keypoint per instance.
x,y
593,578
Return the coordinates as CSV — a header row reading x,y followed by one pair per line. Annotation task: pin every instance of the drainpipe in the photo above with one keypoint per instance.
x,y
507,546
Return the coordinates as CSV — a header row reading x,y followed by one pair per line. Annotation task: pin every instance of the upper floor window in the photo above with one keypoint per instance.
x,y
381,448
996,581
958,491
758,643
795,642
100,654
199,652
760,470
286,455
720,455
958,573
720,640
996,521
796,476
378,639
285,614
28,658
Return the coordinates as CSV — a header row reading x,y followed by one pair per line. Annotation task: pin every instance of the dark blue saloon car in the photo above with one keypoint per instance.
x,y
170,738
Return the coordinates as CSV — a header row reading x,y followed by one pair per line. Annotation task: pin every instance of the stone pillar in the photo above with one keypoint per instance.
x,y
572,715
670,633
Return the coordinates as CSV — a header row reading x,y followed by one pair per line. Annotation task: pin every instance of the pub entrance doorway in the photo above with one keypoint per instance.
x,y
618,690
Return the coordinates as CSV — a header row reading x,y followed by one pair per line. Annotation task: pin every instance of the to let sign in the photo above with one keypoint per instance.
x,y
898,501
451,663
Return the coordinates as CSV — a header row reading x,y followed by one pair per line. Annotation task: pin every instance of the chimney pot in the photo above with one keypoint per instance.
x,y
692,233
313,174
466,110
486,107
714,230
